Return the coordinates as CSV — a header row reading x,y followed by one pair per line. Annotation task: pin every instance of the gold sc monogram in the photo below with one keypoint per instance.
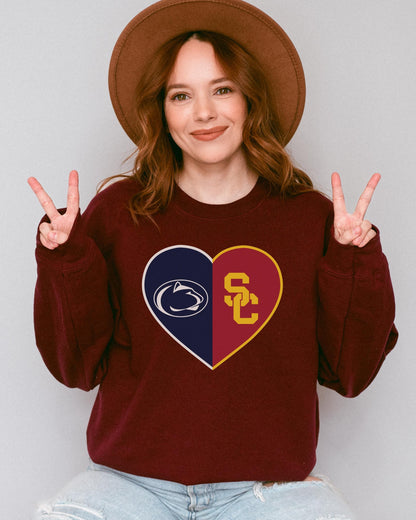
x,y
242,297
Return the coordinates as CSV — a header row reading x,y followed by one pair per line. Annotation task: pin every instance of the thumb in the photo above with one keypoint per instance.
x,y
57,237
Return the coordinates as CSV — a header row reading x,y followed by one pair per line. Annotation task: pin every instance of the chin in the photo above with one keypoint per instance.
x,y
212,158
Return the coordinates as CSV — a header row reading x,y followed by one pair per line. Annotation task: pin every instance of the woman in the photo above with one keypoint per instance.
x,y
207,292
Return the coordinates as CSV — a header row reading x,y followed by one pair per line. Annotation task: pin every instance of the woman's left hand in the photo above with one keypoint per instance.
x,y
351,228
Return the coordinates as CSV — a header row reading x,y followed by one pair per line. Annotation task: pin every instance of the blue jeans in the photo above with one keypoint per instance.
x,y
102,493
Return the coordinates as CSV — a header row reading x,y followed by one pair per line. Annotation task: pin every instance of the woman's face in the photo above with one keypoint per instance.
x,y
205,111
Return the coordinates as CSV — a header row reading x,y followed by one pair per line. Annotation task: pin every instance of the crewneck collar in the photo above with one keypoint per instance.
x,y
186,204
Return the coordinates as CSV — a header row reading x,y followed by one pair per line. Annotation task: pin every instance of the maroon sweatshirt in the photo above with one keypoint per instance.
x,y
207,332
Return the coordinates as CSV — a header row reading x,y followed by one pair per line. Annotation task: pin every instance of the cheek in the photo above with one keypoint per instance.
x,y
169,118
240,112
173,126
176,121
173,116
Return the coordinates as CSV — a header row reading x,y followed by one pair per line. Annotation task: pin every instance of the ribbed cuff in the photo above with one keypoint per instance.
x,y
344,258
71,251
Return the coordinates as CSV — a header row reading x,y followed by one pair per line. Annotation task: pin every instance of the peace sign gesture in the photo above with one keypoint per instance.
x,y
57,231
351,228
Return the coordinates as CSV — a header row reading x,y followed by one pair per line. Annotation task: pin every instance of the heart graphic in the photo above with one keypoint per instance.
x,y
212,306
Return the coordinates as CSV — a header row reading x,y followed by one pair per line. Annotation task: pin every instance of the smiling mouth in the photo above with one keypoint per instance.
x,y
209,134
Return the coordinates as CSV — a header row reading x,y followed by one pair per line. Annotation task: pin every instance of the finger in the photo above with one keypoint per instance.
x,y
48,244
348,236
73,194
44,199
45,228
57,237
337,195
369,236
366,196
364,229
45,233
51,235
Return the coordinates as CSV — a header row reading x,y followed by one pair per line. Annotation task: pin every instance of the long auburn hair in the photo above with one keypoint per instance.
x,y
158,159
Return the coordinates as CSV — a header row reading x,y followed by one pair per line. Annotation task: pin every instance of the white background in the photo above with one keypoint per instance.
x,y
359,59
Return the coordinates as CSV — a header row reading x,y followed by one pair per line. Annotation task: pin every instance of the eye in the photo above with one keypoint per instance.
x,y
179,97
223,90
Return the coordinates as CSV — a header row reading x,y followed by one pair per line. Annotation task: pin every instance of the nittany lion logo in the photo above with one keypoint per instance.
x,y
180,298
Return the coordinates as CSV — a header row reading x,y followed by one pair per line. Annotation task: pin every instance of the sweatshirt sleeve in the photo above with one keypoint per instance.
x,y
355,316
73,314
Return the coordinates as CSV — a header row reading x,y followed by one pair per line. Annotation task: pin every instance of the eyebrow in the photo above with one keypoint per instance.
x,y
183,85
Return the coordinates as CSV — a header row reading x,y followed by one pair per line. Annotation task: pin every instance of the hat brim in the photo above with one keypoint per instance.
x,y
250,27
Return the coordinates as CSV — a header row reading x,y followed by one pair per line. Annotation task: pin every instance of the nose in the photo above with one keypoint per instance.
x,y
204,108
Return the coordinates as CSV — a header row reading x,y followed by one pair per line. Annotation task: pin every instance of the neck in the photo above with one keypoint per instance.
x,y
217,184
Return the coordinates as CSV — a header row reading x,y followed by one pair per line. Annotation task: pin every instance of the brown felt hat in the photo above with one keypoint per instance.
x,y
259,34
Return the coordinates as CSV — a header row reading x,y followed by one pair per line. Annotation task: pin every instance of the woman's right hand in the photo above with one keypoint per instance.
x,y
57,231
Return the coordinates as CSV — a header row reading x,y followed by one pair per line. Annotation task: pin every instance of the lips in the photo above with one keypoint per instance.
x,y
209,134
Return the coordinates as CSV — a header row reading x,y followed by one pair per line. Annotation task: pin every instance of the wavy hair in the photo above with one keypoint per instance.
x,y
158,159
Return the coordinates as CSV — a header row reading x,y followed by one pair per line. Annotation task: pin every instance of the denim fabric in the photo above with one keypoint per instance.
x,y
102,493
